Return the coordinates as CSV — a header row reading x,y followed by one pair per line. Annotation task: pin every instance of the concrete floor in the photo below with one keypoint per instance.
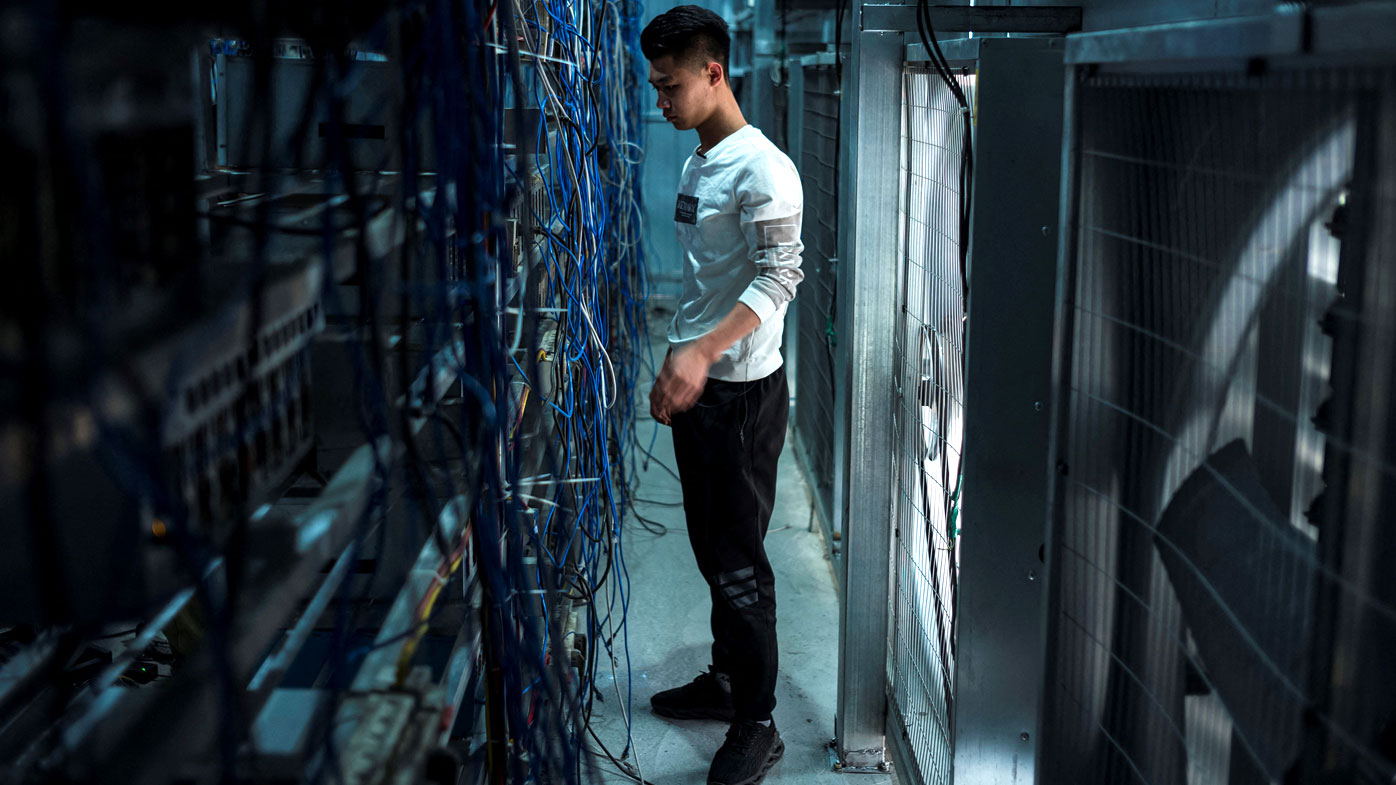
x,y
670,638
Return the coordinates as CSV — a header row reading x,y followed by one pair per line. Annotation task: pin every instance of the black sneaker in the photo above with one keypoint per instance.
x,y
701,699
750,751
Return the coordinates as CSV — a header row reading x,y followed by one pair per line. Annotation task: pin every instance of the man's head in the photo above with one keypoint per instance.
x,y
687,48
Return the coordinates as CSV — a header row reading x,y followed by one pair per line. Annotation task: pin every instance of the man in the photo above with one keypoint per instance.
x,y
722,387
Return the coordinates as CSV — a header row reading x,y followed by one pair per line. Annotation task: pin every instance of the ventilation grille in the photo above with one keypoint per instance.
x,y
929,422
816,312
780,114
1222,598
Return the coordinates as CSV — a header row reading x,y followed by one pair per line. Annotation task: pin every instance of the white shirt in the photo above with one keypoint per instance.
x,y
738,218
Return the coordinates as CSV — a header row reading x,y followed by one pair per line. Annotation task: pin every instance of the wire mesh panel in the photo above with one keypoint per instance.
x,y
780,113
929,430
1222,603
814,412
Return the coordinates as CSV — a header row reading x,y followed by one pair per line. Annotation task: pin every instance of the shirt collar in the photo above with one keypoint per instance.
x,y
743,131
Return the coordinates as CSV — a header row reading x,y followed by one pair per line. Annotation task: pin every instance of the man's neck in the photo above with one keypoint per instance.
x,y
724,122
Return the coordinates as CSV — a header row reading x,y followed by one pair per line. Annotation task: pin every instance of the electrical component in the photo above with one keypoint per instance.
x,y
410,329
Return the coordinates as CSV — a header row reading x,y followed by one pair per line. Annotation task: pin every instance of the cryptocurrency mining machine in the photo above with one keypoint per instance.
x,y
319,340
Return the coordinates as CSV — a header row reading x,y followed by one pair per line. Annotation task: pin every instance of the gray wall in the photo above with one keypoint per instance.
x,y
665,152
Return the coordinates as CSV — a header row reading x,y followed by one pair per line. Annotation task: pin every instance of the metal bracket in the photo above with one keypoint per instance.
x,y
1270,35
979,19
1358,32
873,761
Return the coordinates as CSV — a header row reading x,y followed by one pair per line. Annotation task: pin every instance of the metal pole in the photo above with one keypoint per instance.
x,y
866,385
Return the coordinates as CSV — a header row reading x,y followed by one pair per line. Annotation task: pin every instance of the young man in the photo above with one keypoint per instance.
x,y
722,388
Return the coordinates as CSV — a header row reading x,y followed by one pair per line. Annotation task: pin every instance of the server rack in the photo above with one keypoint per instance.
x,y
283,480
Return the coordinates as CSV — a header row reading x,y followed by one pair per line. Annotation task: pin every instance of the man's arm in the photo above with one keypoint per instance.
x,y
685,370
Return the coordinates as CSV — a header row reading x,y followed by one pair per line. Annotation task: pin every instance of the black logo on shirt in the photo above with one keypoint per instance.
x,y
686,209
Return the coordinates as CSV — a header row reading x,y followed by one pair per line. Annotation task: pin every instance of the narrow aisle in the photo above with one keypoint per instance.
x,y
670,638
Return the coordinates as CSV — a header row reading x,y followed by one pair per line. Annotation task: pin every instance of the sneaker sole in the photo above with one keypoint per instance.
x,y
777,752
693,714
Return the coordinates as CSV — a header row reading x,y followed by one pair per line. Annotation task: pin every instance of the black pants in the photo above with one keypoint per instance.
x,y
727,447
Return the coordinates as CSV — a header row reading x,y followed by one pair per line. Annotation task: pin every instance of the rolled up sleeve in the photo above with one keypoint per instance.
x,y
772,207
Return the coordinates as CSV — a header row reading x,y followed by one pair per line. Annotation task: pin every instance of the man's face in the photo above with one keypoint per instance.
x,y
685,92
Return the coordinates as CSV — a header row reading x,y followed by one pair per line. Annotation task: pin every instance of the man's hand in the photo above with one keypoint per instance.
x,y
680,382
685,371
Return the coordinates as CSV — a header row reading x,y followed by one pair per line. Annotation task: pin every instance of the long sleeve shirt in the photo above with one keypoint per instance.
x,y
737,218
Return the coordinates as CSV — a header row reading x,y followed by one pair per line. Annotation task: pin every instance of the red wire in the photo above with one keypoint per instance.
x,y
443,571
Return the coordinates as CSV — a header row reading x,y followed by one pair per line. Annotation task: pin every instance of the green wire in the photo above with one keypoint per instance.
x,y
955,508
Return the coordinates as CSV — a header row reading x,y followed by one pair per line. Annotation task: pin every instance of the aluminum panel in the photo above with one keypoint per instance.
x,y
1012,267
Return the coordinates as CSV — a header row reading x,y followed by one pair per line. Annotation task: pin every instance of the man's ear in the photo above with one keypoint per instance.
x,y
714,74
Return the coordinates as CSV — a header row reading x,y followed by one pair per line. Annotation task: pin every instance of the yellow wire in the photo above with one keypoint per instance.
x,y
523,406
404,659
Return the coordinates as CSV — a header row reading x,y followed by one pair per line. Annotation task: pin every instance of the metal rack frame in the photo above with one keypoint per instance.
x,y
995,719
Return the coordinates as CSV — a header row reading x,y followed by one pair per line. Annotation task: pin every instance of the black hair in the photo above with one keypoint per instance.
x,y
690,33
